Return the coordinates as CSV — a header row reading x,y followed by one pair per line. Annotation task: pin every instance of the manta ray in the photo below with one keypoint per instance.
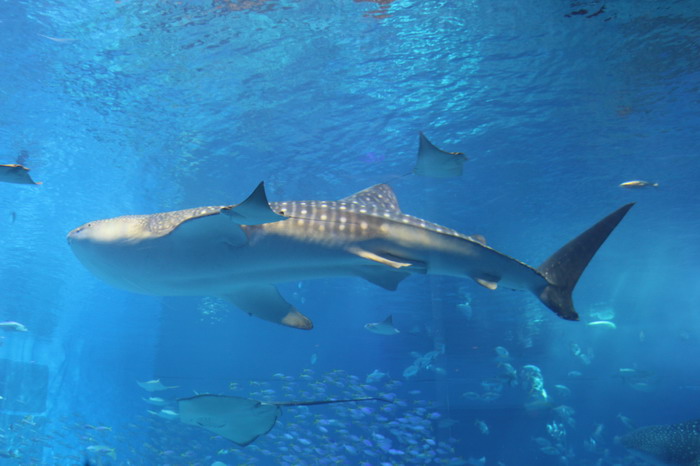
x,y
674,444
15,173
240,252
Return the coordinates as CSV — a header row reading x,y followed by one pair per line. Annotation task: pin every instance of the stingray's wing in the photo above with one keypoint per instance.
x,y
437,163
240,420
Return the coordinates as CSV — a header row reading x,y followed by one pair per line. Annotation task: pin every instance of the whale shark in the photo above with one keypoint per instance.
x,y
240,252
677,444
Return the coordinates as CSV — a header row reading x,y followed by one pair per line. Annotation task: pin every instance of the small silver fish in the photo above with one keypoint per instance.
x,y
639,184
482,426
602,323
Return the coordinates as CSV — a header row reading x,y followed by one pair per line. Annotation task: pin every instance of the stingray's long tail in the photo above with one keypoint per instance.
x,y
563,269
326,402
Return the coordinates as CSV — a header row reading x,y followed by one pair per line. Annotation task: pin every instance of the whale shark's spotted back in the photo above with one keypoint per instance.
x,y
365,215
677,444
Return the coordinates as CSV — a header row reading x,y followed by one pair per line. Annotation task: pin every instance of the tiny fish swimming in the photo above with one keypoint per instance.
x,y
240,252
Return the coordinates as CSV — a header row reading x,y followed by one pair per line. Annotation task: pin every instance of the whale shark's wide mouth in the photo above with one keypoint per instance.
x,y
75,234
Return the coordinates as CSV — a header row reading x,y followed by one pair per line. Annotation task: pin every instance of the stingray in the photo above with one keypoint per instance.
x,y
15,173
436,163
238,419
385,327
673,444
154,386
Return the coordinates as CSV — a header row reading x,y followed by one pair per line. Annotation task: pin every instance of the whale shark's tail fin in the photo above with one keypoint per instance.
x,y
563,269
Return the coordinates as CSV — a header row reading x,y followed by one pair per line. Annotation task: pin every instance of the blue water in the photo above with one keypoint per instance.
x,y
132,107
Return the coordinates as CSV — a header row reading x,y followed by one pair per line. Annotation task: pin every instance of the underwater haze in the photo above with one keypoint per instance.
x,y
132,107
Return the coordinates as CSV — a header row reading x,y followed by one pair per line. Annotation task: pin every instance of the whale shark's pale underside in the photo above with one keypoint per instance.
x,y
239,252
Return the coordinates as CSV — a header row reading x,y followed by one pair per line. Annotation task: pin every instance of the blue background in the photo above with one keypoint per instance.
x,y
129,107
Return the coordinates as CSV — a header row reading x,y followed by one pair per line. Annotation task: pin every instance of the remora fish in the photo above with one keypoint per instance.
x,y
239,252
639,184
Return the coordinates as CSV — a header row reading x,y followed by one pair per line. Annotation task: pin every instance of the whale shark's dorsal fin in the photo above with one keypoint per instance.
x,y
255,210
379,195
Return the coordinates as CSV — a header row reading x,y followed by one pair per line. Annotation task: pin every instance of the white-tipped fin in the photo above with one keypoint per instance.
x,y
265,302
486,283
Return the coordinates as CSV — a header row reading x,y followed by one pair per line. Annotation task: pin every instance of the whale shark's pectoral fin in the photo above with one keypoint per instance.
x,y
265,302
387,279
208,226
255,210
437,163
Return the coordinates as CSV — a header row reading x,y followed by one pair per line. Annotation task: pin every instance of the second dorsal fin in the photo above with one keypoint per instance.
x,y
379,195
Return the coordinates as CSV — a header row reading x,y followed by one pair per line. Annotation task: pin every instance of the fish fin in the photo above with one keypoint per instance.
x,y
491,285
384,260
563,269
255,210
389,320
387,279
437,163
208,226
380,195
15,173
265,302
478,239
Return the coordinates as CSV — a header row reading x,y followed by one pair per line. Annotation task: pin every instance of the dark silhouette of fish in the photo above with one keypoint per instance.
x,y
15,173
673,444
